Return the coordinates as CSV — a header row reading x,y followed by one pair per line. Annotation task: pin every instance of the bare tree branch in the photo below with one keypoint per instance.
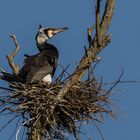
x,y
14,67
107,17
98,22
95,48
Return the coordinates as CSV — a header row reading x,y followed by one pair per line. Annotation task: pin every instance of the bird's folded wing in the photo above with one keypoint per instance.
x,y
38,66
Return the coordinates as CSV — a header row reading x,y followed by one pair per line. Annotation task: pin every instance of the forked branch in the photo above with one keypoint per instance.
x,y
99,41
14,67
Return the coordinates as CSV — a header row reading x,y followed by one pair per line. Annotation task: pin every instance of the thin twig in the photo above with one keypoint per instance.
x,y
17,133
2,70
118,81
102,137
8,122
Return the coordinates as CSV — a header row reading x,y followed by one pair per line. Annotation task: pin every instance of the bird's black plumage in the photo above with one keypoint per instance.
x,y
38,66
42,66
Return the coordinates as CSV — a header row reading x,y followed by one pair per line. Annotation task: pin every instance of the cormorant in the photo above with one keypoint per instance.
x,y
42,66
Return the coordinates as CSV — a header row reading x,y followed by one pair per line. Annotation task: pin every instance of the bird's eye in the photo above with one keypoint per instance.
x,y
40,32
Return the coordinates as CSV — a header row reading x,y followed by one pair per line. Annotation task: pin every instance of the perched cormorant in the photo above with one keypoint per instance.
x,y
41,67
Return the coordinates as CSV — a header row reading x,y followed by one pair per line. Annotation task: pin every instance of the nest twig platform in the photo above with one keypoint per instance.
x,y
35,104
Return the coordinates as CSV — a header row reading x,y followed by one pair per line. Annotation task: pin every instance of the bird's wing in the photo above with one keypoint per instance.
x,y
38,66
39,71
28,62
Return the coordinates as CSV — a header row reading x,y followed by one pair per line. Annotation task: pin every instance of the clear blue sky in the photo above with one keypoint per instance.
x,y
23,17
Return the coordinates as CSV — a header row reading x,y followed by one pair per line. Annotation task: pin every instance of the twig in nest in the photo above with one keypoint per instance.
x,y
15,67
23,124
2,70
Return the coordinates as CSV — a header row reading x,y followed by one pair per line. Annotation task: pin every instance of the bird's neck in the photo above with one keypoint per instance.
x,y
49,48
44,46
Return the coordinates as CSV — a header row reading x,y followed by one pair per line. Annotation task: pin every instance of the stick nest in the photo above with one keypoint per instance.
x,y
41,112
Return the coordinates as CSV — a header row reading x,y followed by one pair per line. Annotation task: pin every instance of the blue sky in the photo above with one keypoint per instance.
x,y
23,17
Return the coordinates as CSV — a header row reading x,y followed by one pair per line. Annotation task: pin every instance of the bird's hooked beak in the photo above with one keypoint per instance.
x,y
59,30
55,31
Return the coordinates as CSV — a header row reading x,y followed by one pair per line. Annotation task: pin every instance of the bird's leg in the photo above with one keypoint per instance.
x,y
14,67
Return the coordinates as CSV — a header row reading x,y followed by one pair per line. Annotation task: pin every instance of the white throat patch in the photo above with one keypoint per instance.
x,y
50,33
47,79
40,40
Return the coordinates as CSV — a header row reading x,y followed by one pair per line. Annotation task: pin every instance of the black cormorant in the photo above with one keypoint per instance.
x,y
41,67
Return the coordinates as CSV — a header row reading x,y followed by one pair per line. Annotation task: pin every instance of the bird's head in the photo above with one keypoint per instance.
x,y
44,34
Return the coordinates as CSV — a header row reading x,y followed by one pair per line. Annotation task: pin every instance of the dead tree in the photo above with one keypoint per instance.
x,y
50,111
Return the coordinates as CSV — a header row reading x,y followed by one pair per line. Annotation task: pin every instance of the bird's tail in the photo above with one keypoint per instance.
x,y
10,77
